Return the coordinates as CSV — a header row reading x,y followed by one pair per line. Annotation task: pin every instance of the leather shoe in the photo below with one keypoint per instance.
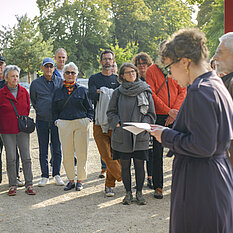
x,y
30,190
158,193
12,191
69,186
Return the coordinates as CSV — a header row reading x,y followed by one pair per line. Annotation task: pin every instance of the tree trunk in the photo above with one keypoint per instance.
x,y
29,78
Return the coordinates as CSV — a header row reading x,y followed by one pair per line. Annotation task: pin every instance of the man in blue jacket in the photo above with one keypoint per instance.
x,y
41,93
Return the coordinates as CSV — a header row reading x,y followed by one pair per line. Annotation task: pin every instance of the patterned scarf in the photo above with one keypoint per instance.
x,y
69,86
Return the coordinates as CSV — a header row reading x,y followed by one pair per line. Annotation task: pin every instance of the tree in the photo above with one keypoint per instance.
x,y
166,18
211,21
81,27
126,54
23,46
128,19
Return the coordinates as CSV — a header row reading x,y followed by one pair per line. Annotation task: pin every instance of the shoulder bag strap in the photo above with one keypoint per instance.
x,y
161,86
67,100
16,112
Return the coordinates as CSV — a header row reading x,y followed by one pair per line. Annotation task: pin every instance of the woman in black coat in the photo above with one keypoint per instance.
x,y
202,182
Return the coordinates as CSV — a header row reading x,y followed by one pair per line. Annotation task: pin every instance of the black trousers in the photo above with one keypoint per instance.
x,y
157,158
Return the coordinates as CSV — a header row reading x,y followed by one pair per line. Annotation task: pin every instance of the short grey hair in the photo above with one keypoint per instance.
x,y
70,65
60,50
227,40
10,68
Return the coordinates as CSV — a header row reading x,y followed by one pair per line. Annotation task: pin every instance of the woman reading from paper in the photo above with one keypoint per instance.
x,y
202,183
131,102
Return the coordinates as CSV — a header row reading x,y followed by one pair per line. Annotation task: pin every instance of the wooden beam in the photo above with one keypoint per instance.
x,y
228,16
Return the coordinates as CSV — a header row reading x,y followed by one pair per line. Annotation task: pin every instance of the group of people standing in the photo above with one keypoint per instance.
x,y
195,126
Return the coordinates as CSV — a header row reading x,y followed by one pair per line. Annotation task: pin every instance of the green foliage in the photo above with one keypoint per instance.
x,y
167,17
123,55
211,21
81,27
128,19
23,45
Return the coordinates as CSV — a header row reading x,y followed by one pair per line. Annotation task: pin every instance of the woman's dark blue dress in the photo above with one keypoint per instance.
x,y
202,181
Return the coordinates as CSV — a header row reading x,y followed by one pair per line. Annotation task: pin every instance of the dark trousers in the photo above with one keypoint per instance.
x,y
103,164
45,130
157,160
149,163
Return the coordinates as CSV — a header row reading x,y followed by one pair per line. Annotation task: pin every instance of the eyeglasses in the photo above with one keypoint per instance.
x,y
167,69
130,72
70,72
48,66
141,64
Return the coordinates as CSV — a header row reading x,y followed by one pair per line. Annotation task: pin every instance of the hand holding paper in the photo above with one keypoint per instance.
x,y
136,128
156,131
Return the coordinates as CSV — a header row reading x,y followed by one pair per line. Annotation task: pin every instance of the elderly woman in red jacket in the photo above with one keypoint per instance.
x,y
9,129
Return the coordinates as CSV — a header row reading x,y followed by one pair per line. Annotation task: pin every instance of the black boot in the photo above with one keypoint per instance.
x,y
128,198
140,199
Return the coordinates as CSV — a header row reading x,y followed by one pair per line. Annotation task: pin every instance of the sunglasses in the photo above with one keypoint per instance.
x,y
70,72
48,66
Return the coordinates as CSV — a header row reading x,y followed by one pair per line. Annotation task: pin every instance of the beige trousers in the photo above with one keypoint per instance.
x,y
74,137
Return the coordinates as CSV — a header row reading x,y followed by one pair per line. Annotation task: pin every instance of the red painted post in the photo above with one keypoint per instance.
x,y
228,16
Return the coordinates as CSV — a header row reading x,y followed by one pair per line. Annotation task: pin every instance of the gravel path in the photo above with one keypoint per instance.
x,y
53,210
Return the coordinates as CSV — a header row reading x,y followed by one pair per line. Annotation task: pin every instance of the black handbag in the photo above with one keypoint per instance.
x,y
26,124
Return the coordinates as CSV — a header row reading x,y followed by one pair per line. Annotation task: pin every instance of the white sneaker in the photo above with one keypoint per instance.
x,y
109,191
43,182
50,171
58,180
19,182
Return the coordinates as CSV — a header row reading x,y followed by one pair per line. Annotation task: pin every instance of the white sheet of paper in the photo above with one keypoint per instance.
x,y
133,129
144,126
136,127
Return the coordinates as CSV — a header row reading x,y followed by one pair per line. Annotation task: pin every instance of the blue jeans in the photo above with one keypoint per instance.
x,y
44,129
103,164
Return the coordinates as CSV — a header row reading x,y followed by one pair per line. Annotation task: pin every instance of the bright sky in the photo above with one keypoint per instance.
x,y
10,8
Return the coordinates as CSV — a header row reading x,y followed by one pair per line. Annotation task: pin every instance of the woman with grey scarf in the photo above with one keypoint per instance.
x,y
131,102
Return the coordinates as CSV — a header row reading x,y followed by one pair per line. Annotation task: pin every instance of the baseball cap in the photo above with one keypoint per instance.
x,y
48,60
2,59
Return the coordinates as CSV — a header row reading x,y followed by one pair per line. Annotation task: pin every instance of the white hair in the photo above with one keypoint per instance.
x,y
72,65
227,40
10,68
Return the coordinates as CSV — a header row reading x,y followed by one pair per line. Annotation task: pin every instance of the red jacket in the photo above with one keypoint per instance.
x,y
8,119
170,96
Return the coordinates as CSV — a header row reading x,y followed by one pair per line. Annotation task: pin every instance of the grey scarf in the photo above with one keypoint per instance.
x,y
139,89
